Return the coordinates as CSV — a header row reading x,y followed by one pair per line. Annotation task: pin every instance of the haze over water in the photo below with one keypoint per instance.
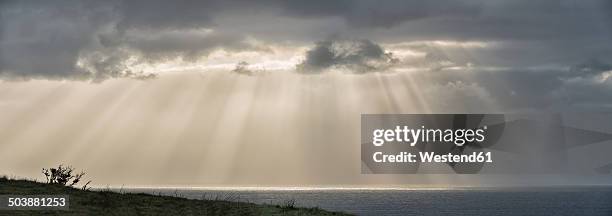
x,y
562,200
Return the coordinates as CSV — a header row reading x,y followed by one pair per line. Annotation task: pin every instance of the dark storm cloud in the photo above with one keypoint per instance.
x,y
169,44
357,55
518,20
84,39
590,68
40,40
93,40
178,14
158,14
584,86
365,13
588,84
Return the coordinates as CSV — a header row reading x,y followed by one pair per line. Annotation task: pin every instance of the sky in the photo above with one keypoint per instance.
x,y
218,92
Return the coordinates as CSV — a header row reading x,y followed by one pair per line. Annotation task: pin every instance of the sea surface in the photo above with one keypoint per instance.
x,y
462,201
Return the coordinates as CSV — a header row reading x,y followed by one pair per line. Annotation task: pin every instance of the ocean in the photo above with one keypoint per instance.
x,y
461,201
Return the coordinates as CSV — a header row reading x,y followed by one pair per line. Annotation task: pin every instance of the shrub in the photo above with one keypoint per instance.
x,y
63,175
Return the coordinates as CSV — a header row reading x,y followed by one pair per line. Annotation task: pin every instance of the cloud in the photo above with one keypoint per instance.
x,y
39,40
91,40
376,14
88,39
243,68
458,96
590,67
355,55
583,87
60,41
159,14
171,44
113,63
588,84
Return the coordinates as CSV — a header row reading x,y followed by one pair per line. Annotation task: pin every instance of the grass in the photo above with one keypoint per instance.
x,y
106,202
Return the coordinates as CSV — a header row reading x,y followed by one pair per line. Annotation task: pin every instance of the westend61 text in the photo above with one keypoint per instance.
x,y
428,157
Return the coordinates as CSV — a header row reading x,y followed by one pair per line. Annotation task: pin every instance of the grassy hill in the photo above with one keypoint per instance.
x,y
113,203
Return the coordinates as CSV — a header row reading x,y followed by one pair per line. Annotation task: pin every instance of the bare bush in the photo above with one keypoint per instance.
x,y
63,175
